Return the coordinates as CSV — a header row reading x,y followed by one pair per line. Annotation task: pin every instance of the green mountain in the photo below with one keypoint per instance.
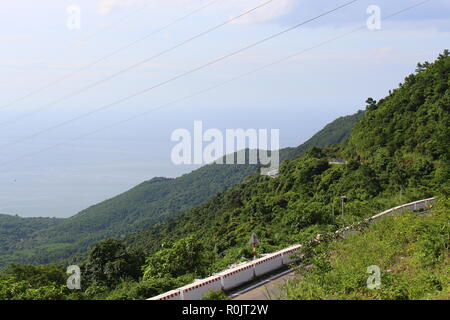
x,y
15,229
149,203
333,133
402,143
397,153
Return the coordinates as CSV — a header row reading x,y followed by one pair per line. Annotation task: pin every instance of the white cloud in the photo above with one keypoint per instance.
x,y
15,37
271,11
106,6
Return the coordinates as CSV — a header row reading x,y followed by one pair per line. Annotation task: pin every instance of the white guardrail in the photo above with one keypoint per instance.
x,y
246,272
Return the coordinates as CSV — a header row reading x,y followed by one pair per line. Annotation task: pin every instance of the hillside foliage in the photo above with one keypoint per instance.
x,y
411,251
397,153
30,240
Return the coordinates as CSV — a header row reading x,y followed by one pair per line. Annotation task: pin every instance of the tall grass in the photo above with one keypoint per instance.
x,y
411,250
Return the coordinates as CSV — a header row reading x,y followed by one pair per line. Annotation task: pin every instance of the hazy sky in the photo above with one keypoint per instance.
x,y
298,96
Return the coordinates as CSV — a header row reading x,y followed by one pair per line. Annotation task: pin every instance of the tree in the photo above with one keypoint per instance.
x,y
187,255
110,261
37,275
371,104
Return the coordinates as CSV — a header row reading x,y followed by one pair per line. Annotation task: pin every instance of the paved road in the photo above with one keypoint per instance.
x,y
267,289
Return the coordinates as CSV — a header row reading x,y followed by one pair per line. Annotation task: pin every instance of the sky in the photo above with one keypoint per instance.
x,y
52,166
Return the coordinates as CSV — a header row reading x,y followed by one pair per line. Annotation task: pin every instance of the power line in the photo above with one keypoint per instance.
x,y
114,75
179,76
223,83
102,29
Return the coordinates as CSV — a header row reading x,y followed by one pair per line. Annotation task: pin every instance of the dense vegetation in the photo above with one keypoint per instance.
x,y
14,229
29,240
410,250
333,133
142,206
397,153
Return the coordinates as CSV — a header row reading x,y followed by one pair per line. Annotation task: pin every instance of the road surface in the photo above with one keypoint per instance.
x,y
266,289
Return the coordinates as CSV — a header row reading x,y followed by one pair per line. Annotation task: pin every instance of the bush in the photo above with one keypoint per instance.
x,y
215,295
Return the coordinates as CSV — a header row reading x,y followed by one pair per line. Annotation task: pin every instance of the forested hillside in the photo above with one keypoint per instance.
x,y
333,133
397,153
146,204
406,136
299,203
15,229
399,149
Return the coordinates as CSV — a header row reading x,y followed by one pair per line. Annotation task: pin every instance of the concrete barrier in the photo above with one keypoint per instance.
x,y
289,254
237,276
198,289
268,263
170,295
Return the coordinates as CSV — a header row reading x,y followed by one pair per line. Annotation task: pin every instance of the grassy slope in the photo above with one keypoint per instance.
x,y
411,250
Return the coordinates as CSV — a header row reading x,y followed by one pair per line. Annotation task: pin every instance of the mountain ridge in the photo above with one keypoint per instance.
x,y
148,203
397,153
